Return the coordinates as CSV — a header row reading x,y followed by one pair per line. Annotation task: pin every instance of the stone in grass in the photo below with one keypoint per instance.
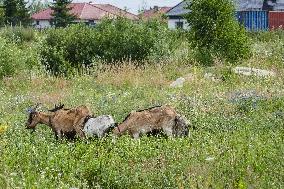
x,y
244,95
210,76
253,72
210,159
178,83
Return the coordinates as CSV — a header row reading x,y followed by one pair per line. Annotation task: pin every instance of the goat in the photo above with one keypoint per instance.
x,y
98,126
63,122
159,118
94,126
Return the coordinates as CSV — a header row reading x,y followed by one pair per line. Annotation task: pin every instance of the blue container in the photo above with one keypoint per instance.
x,y
253,20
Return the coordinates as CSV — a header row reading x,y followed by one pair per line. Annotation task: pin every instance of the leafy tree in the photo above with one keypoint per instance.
x,y
10,9
61,15
22,13
215,32
15,12
2,18
37,5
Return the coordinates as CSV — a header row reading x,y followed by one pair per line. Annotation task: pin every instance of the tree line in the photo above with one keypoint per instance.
x,y
18,12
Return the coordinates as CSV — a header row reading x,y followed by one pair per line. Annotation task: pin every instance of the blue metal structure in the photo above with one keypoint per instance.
x,y
253,20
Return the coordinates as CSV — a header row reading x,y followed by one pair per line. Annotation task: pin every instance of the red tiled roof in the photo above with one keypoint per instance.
x,y
43,15
154,12
117,11
86,11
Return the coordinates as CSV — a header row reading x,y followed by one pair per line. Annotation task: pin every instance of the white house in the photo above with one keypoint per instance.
x,y
176,20
175,16
88,13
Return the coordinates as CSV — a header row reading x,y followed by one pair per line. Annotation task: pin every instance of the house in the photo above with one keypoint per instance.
x,y
175,16
249,5
278,5
252,13
154,13
88,13
257,5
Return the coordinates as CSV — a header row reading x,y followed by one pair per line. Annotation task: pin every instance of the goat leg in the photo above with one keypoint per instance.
x,y
58,135
168,131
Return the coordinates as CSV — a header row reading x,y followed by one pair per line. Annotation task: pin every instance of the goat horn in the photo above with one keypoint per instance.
x,y
37,105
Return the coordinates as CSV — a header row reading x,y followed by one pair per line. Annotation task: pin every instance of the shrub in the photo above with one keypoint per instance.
x,y
18,34
122,39
15,59
215,31
65,50
11,58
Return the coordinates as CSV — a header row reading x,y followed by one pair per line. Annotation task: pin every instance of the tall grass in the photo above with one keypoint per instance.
x,y
237,141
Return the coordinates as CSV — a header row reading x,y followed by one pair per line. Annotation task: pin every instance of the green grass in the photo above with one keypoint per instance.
x,y
238,142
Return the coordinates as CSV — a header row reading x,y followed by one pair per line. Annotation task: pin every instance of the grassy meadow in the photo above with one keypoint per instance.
x,y
237,130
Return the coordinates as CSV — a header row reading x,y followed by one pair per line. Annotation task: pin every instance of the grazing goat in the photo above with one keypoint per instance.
x,y
94,126
98,126
162,118
63,122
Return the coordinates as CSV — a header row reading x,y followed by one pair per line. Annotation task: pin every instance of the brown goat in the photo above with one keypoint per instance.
x,y
63,122
163,118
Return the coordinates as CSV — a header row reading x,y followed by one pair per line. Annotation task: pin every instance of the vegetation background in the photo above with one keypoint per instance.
x,y
238,137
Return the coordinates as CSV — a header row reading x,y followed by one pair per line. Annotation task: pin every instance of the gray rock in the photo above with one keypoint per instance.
x,y
98,126
237,96
211,77
178,83
253,71
210,159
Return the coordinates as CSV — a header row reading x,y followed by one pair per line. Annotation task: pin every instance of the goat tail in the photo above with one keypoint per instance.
x,y
181,126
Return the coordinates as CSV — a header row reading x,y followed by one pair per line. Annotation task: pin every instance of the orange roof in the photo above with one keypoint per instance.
x,y
87,11
154,12
117,11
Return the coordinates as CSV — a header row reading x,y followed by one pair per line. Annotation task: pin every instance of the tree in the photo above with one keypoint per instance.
x,y
16,12
22,14
61,13
2,19
37,5
215,32
144,6
10,9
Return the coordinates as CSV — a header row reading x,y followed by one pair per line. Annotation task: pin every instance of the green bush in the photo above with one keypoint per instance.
x,y
18,34
12,59
215,32
123,40
66,50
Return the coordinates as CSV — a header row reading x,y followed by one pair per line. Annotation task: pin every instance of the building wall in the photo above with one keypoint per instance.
x,y
253,20
172,23
276,20
41,24
88,22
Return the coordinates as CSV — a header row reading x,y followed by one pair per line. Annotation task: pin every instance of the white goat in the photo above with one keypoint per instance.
x,y
98,126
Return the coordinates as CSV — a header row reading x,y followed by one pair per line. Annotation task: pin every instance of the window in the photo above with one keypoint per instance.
x,y
37,22
179,25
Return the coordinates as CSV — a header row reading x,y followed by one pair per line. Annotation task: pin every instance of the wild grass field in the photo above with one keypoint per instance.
x,y
237,131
